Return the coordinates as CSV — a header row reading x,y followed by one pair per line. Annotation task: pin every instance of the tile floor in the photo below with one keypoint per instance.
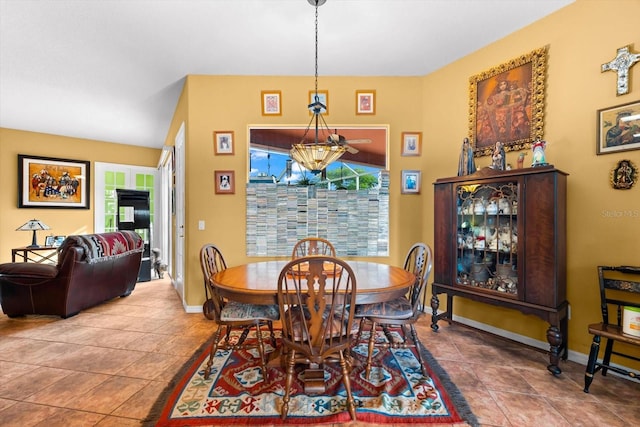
x,y
106,366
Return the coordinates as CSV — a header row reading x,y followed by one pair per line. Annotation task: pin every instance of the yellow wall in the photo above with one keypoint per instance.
x,y
232,103
580,37
62,221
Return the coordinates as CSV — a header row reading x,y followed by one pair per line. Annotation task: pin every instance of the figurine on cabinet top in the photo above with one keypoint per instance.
x,y
498,158
538,153
466,163
521,160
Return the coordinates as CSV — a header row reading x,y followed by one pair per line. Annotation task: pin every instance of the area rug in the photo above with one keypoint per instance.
x,y
235,394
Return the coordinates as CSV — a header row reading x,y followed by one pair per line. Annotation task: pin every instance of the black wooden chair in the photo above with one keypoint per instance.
x,y
617,284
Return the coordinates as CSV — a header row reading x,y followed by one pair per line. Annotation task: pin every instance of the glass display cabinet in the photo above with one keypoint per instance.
x,y
500,239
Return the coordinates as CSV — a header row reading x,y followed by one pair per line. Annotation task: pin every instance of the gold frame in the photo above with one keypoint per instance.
x,y
406,138
218,138
271,102
530,72
370,106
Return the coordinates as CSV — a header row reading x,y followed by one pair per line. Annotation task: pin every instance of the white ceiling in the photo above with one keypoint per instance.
x,y
112,70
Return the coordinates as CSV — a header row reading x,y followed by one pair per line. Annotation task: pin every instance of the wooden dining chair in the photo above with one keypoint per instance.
x,y
316,297
231,314
313,246
402,312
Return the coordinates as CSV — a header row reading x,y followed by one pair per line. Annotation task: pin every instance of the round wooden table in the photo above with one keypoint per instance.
x,y
257,282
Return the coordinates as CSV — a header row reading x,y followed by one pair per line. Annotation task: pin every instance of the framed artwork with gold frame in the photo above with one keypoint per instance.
x,y
506,104
365,102
411,143
271,101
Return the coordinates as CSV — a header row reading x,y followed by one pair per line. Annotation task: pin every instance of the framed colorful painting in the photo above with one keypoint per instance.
x,y
48,182
506,104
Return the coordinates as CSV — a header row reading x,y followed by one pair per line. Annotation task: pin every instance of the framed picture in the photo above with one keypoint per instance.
x,y
225,182
48,241
506,104
411,143
271,103
411,181
223,142
323,97
57,240
619,128
365,102
48,182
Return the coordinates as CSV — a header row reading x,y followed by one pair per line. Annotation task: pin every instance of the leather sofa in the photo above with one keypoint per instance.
x,y
91,269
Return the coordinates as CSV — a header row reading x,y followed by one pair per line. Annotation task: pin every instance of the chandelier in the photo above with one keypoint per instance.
x,y
316,156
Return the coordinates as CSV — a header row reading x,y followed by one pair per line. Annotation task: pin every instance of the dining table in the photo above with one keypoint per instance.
x,y
257,282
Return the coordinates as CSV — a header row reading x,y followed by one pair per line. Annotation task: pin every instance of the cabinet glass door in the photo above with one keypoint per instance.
x,y
487,237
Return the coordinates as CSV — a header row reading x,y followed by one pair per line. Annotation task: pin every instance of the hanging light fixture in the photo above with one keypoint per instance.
x,y
317,155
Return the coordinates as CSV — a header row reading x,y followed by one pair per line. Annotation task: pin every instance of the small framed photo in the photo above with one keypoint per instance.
x,y
225,182
323,97
619,128
365,102
271,102
57,240
48,241
411,143
223,142
411,181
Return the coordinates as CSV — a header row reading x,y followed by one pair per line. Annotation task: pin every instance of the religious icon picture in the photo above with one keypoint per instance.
x,y
225,182
619,128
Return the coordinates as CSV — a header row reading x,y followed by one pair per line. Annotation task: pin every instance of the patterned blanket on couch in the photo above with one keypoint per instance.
x,y
101,246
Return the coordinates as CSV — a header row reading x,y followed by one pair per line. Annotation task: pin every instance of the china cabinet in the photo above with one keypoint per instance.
x,y
500,239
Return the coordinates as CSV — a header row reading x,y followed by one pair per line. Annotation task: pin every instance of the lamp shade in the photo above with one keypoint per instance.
x,y
316,156
33,225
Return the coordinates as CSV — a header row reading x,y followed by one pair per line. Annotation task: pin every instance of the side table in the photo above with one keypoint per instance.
x,y
41,254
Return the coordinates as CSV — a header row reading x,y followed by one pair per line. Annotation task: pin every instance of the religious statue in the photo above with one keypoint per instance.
x,y
521,160
498,157
538,153
466,162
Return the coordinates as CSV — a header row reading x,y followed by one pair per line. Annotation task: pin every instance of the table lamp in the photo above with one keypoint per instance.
x,y
33,225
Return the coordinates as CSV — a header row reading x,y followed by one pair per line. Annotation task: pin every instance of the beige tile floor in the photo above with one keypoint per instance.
x,y
106,366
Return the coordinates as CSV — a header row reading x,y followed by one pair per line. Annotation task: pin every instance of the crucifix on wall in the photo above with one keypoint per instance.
x,y
621,64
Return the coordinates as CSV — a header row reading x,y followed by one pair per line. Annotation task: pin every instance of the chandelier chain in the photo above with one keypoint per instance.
x,y
316,58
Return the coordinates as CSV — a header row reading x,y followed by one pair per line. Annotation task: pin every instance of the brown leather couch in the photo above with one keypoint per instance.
x,y
91,269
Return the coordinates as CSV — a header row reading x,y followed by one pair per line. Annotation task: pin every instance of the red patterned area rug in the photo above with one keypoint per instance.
x,y
235,393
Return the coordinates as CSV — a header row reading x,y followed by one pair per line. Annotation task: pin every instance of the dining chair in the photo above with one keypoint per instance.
x,y
402,312
232,314
313,246
316,297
